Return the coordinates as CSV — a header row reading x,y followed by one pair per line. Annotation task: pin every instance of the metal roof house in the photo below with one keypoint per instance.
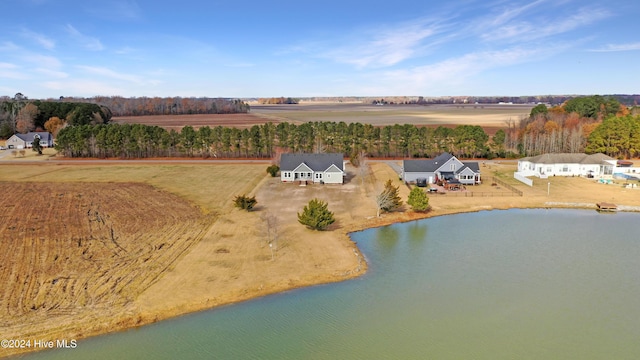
x,y
318,168
567,164
23,141
444,167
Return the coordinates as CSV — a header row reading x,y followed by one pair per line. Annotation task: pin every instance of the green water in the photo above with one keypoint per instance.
x,y
517,284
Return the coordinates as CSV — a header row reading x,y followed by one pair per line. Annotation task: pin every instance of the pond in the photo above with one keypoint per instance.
x,y
514,284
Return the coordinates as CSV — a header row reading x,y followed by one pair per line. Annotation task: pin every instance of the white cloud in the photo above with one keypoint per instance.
x,y
106,72
619,47
41,39
11,71
52,73
538,28
8,46
386,47
83,87
112,74
455,71
43,61
88,42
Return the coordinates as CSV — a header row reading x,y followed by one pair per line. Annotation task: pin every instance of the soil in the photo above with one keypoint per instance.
x,y
77,255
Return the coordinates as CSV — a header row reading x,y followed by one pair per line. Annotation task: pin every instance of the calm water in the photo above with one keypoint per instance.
x,y
517,284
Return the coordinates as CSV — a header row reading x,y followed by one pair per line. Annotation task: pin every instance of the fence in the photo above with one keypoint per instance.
x,y
479,194
502,183
522,179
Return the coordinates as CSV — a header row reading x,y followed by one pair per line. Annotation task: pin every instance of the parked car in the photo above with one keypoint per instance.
x,y
3,148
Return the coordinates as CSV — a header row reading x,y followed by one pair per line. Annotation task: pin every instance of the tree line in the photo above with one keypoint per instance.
x,y
20,115
617,136
139,106
582,124
268,140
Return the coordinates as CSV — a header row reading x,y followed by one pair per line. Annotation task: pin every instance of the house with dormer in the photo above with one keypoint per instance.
x,y
316,168
443,167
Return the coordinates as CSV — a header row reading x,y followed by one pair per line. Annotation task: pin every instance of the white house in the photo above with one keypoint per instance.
x,y
23,141
317,168
443,167
567,164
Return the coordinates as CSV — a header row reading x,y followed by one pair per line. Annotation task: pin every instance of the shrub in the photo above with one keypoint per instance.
x,y
273,170
418,200
244,202
316,215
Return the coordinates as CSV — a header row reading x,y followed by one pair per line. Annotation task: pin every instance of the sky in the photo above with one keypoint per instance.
x,y
243,49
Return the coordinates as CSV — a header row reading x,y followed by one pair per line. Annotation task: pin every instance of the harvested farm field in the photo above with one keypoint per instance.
x,y
485,115
176,122
490,116
73,252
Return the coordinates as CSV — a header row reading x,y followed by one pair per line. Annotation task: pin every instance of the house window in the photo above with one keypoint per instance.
x,y
565,168
453,166
309,175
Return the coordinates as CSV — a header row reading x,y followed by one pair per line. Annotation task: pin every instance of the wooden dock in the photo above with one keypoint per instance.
x,y
605,206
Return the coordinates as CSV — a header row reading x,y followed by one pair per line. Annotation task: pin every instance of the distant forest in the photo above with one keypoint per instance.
x,y
20,114
627,100
588,124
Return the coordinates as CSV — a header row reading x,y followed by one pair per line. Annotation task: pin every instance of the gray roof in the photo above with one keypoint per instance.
x,y
568,158
433,164
317,162
428,165
28,137
420,165
472,165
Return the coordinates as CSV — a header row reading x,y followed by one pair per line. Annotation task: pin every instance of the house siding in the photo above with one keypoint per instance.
x,y
14,142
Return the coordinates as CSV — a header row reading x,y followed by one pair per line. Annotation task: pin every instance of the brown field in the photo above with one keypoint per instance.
x,y
490,117
176,122
73,250
485,115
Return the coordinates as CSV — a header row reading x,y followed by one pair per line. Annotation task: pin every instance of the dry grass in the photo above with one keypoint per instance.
x,y
209,186
233,261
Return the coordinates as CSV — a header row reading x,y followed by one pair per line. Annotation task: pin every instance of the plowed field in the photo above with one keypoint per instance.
x,y
73,250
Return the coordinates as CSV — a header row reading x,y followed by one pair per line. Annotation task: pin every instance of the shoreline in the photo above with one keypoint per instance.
x,y
135,315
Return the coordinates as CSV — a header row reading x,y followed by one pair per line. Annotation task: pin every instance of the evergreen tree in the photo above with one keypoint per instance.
x,y
316,215
418,200
35,145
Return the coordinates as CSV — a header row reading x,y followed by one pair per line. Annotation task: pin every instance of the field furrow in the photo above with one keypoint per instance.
x,y
72,248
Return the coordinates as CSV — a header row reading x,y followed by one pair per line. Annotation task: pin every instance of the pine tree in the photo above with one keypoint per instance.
x,y
418,200
316,215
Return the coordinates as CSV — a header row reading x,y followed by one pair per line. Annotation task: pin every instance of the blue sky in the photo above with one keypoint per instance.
x,y
52,48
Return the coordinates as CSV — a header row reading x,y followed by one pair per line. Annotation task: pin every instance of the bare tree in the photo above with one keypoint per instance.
x,y
271,226
24,120
388,199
